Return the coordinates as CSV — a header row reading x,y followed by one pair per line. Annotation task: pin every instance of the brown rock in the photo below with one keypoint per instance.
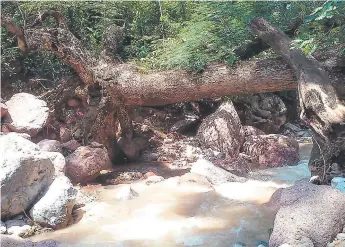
x,y
271,150
71,145
149,174
4,109
222,130
240,165
85,164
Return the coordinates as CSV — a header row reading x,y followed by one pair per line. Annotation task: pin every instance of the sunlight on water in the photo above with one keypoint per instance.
x,y
167,214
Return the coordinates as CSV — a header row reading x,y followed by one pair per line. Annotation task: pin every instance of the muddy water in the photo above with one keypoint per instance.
x,y
168,214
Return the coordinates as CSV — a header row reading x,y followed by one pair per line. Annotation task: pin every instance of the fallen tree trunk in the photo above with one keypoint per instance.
x,y
320,105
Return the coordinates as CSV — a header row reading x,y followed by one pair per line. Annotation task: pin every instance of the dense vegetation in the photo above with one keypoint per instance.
x,y
166,35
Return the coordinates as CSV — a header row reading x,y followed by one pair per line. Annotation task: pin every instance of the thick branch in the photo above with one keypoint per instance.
x,y
19,32
317,94
319,102
257,46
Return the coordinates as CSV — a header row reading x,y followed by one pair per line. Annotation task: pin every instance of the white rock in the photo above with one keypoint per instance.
x,y
154,179
2,228
28,113
59,163
55,207
50,145
125,193
341,236
214,174
17,227
26,173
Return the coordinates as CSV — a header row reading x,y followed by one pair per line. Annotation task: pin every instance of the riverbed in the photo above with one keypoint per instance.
x,y
167,214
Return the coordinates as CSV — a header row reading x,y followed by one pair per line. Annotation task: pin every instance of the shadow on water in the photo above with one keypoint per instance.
x,y
165,214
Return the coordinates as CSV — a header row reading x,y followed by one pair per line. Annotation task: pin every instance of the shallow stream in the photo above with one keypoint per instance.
x,y
167,214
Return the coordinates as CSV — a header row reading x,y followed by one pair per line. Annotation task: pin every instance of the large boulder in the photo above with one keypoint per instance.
x,y
271,150
309,214
214,174
26,172
222,130
85,163
50,145
27,113
54,209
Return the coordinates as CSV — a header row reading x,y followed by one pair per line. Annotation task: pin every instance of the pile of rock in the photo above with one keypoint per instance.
x,y
36,179
33,182
222,131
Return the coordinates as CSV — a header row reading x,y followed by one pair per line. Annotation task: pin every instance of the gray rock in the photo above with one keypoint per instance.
x,y
154,180
17,227
3,228
50,145
54,209
222,130
214,174
14,241
194,178
125,193
71,145
59,163
48,243
239,244
27,113
301,209
195,181
26,173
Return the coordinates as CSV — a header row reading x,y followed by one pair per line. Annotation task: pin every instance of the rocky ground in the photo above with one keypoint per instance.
x,y
44,163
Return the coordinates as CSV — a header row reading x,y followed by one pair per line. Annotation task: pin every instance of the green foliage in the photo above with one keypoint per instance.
x,y
216,29
323,28
172,34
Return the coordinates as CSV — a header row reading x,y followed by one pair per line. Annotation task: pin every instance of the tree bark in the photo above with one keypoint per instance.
x,y
320,105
